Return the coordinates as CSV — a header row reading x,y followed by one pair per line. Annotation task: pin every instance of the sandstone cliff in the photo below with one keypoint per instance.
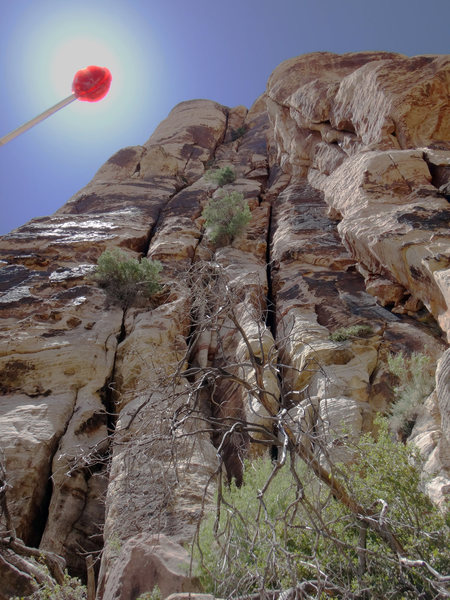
x,y
345,164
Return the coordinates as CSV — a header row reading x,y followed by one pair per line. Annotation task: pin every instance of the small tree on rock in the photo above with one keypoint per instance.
x,y
226,217
127,280
221,176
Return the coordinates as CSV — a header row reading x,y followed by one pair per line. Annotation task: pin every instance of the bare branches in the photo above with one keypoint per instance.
x,y
222,312
303,530
10,530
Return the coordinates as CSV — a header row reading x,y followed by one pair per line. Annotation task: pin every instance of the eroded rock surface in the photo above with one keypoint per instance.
x,y
345,165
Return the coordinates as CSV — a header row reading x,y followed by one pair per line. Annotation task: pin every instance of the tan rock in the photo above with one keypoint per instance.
x,y
394,98
321,68
157,481
71,240
357,100
146,561
51,377
122,165
189,135
235,125
30,430
340,423
384,290
428,436
175,240
157,161
443,400
394,189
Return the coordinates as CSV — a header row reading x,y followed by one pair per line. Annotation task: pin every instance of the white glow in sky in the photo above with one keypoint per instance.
x,y
51,54
80,52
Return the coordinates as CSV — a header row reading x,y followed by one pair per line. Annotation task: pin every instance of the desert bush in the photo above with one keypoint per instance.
x,y
155,594
221,176
226,217
345,333
292,532
239,132
415,375
70,589
127,280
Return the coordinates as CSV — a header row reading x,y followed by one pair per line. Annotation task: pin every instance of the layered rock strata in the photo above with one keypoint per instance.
x,y
345,164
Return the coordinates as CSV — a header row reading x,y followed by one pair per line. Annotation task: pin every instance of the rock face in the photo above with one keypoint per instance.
x,y
345,164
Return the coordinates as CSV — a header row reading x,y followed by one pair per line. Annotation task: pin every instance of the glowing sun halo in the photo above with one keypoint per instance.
x,y
51,52
76,54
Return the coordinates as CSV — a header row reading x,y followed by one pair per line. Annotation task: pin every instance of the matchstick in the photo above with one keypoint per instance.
x,y
90,84
10,136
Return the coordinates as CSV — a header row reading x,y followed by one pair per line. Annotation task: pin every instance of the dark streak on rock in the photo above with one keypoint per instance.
x,y
429,220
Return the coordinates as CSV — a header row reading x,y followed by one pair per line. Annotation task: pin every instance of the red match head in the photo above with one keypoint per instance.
x,y
92,83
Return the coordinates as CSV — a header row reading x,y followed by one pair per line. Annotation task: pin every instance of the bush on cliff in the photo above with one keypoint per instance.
x,y
415,381
126,280
221,176
239,132
226,217
353,331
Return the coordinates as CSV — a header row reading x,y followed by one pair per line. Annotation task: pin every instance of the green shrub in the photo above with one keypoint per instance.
x,y
126,280
70,589
155,594
416,381
296,531
226,217
221,176
239,132
345,333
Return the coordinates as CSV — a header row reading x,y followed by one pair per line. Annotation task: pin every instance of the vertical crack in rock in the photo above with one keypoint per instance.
x,y
153,494
150,236
79,467
38,521
271,306
154,227
108,392
221,140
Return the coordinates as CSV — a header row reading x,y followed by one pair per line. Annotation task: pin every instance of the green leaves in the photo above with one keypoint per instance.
x,y
226,217
345,333
296,531
239,132
221,176
415,376
126,280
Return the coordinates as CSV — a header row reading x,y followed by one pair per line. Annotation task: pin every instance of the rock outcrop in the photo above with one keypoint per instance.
x,y
345,164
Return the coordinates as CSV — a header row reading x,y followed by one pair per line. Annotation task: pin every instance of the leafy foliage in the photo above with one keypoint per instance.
x,y
155,594
221,176
70,589
127,280
345,333
239,132
226,217
416,381
293,532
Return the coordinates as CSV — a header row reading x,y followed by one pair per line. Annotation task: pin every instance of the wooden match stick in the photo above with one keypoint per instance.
x,y
10,136
89,84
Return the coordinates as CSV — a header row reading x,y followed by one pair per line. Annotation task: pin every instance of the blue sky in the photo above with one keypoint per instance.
x,y
161,52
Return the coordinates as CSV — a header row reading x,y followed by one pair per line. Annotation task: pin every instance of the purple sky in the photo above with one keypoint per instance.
x,y
164,51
